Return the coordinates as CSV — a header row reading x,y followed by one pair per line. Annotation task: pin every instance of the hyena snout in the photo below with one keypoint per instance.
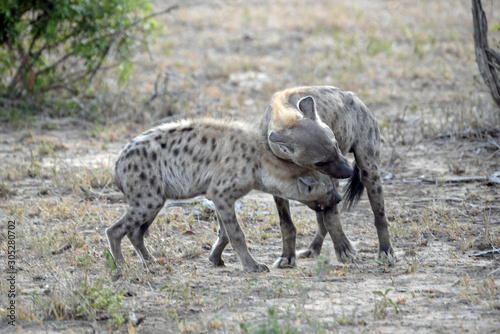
x,y
332,198
339,168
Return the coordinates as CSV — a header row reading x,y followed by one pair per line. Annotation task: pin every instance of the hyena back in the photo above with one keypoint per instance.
x,y
224,160
355,130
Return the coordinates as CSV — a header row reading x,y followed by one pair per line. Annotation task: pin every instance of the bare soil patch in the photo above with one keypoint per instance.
x,y
411,63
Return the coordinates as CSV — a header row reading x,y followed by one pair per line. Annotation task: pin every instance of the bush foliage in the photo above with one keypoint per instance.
x,y
58,46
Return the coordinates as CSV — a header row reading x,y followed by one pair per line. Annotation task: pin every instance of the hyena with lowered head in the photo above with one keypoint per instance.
x,y
353,129
221,159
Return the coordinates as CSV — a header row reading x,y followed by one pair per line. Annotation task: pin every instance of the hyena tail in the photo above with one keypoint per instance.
x,y
354,190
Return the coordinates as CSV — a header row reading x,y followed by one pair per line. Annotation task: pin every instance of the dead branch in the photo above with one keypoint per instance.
x,y
485,60
432,199
493,178
92,195
62,249
491,251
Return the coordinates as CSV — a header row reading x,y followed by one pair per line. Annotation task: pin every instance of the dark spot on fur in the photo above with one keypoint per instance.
x,y
176,152
139,195
222,207
150,206
171,131
379,190
147,132
158,137
227,159
365,173
179,140
144,152
382,213
375,177
253,150
135,168
185,149
148,165
153,156
187,129
149,194
159,205
137,204
243,146
207,161
144,215
217,157
142,176
163,145
203,140
152,181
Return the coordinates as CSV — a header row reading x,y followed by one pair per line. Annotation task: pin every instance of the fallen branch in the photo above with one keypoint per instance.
x,y
491,251
92,195
432,199
493,178
62,249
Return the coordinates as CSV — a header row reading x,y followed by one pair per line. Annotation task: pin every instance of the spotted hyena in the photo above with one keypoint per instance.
x,y
221,159
344,117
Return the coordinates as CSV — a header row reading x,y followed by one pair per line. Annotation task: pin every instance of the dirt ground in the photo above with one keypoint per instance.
x,y
411,62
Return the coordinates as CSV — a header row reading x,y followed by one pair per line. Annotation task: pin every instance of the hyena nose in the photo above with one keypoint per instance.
x,y
335,196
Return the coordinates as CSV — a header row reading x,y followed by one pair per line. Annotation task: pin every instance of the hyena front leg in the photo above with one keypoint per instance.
x,y
329,222
370,176
221,243
314,248
236,236
288,235
343,248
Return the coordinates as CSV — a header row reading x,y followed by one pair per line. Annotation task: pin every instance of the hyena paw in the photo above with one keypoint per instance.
x,y
344,251
285,262
257,268
216,261
387,255
116,274
309,253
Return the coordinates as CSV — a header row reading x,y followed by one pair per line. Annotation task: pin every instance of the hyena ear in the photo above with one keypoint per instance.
x,y
278,138
308,107
281,145
307,185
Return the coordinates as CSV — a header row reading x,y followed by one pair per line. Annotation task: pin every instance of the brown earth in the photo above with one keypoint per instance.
x,y
411,62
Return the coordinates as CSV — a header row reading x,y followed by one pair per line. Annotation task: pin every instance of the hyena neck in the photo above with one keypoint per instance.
x,y
276,176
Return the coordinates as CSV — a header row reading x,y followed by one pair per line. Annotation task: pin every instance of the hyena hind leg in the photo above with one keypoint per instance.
x,y
134,223
136,237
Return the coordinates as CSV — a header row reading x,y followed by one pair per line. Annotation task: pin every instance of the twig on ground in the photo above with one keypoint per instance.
x,y
432,199
62,249
491,251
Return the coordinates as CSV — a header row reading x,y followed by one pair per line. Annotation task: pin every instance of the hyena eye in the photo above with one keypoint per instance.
x,y
321,164
286,149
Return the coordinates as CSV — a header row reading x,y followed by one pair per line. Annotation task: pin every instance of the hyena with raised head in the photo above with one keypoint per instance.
x,y
354,129
221,159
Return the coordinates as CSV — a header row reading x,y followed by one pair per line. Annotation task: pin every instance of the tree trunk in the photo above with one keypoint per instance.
x,y
488,60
